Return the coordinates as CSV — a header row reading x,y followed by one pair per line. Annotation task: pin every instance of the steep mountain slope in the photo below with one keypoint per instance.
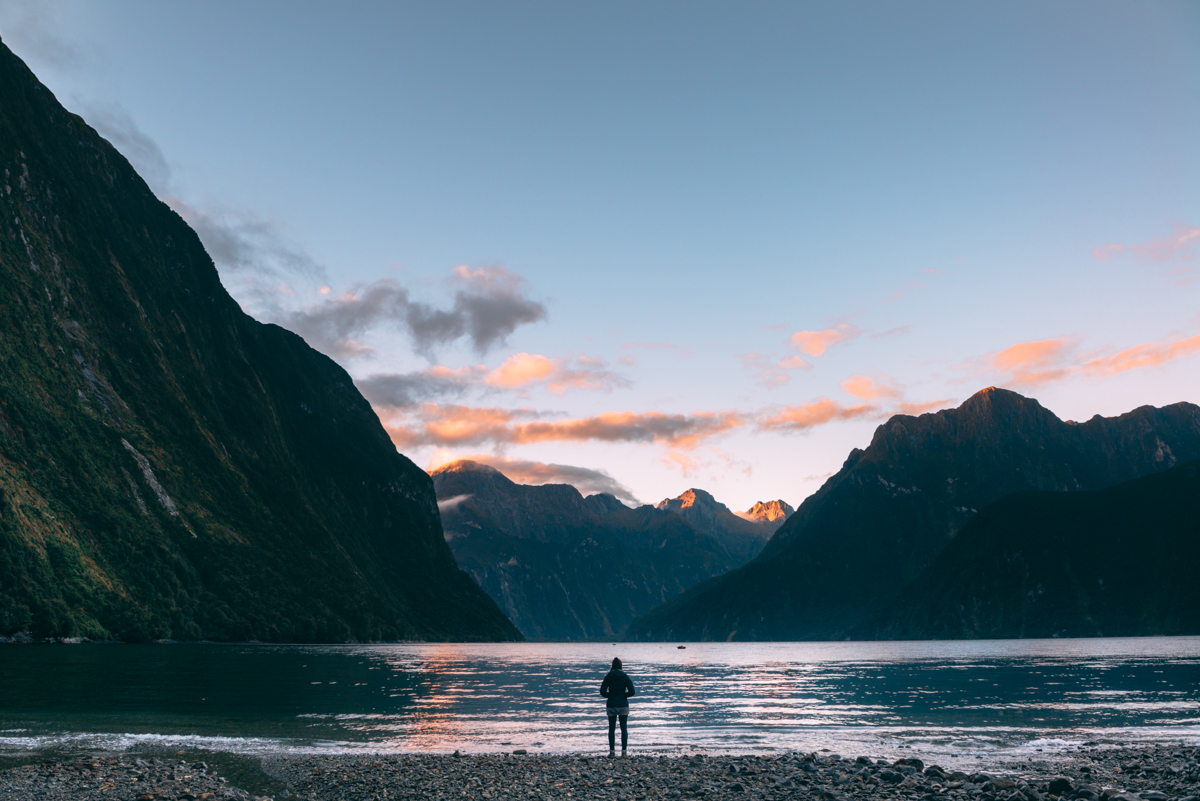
x,y
565,567
876,524
744,538
169,467
1116,562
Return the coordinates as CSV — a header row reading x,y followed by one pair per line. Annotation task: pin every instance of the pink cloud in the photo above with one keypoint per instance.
x,y
903,291
682,353
793,363
917,409
1150,354
1033,363
523,370
865,389
526,471
1178,244
815,343
1041,361
900,329
686,464
771,374
453,425
808,415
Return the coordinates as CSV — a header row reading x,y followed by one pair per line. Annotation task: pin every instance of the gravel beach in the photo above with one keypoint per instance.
x,y
1159,773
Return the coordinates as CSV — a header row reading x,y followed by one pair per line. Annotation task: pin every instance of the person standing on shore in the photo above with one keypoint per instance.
x,y
617,687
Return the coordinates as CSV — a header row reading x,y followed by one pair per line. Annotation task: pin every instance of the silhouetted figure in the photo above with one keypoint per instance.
x,y
618,689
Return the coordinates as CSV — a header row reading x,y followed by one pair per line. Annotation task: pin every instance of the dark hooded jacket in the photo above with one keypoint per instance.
x,y
617,688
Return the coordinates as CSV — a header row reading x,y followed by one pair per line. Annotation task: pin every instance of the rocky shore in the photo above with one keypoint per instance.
x,y
1091,773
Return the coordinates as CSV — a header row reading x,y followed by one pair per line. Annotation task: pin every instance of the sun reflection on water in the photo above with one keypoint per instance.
x,y
963,700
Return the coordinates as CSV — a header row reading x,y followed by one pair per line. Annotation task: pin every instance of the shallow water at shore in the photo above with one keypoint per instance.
x,y
973,701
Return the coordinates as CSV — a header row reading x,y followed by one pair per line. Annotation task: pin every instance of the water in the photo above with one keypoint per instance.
x,y
960,702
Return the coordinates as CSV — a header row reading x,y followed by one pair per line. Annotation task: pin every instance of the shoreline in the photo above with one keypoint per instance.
x,y
1161,772
25,638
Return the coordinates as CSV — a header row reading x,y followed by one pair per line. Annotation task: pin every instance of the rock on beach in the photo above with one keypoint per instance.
x,y
1165,773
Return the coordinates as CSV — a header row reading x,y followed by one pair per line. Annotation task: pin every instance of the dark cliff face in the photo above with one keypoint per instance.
x,y
1118,562
875,525
170,467
742,537
565,567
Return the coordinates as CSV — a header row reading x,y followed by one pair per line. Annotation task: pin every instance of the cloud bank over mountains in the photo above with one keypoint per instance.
x,y
1030,364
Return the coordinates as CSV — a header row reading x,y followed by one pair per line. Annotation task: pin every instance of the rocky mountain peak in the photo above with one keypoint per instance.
x,y
466,466
999,404
692,498
770,512
707,514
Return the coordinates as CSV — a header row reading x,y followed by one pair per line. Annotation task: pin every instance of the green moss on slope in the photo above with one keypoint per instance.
x,y
169,467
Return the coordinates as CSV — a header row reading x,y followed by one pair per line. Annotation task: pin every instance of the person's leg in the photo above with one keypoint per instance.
x,y
624,732
612,732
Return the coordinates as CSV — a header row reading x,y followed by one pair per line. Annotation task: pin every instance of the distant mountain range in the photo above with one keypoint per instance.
x,y
172,469
169,467
744,536
565,567
875,527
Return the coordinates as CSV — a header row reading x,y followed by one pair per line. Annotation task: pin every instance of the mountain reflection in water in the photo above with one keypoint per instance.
x,y
961,700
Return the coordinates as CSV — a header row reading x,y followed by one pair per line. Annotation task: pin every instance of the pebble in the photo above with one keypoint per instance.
x,y
126,778
1163,773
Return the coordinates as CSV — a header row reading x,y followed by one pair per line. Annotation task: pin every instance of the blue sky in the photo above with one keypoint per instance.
x,y
685,244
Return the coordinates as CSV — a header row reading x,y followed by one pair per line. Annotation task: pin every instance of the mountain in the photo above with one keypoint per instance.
x,y
771,513
169,467
565,567
744,538
875,525
1117,562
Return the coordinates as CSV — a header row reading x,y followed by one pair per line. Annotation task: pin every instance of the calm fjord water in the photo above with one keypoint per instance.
x,y
995,700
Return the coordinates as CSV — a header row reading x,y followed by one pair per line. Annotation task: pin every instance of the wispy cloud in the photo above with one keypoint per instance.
x,y
522,370
456,426
1045,360
489,302
1034,363
891,332
489,305
630,360
1150,354
393,391
246,245
879,400
770,372
525,471
113,122
917,409
815,343
805,416
867,389
31,29
902,292
1180,244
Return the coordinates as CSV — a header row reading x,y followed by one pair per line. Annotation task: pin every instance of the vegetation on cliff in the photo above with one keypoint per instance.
x,y
169,467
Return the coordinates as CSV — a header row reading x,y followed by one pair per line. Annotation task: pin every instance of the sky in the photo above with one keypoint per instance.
x,y
642,247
